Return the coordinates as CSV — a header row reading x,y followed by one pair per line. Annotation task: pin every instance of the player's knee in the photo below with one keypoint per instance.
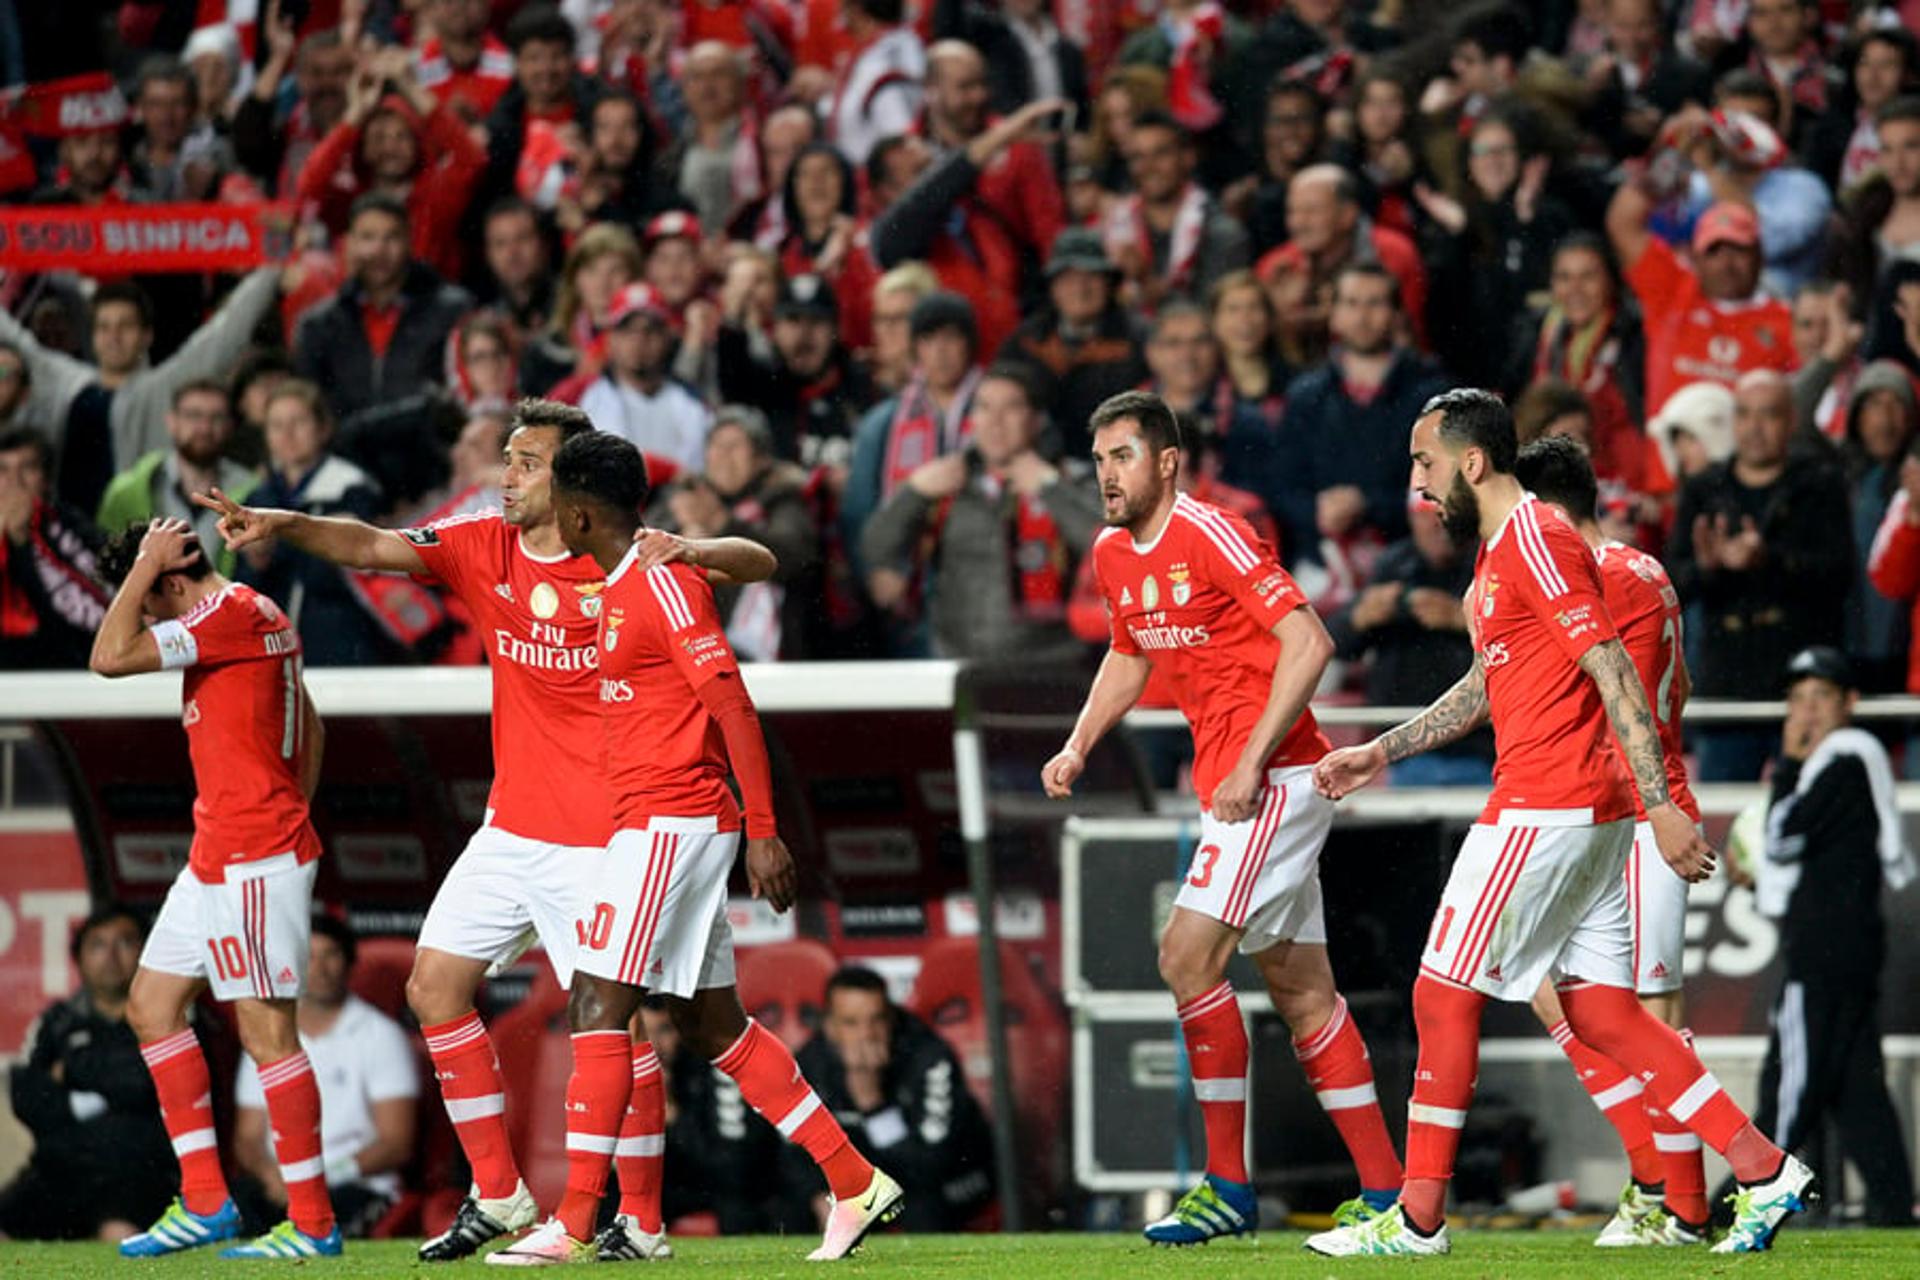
x,y
1545,1006
587,1008
432,999
150,1018
1187,969
1304,1007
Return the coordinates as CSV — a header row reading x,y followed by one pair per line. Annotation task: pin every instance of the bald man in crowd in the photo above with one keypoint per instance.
x,y
1764,542
714,82
1018,185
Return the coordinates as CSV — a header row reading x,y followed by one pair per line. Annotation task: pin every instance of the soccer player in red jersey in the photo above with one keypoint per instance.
x,y
1194,595
675,713
1540,885
237,916
1665,1201
548,815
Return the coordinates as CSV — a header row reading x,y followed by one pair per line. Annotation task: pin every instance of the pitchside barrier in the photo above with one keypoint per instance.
x,y
909,793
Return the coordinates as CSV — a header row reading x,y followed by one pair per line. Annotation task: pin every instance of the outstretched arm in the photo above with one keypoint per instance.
x,y
1681,844
1121,680
1453,715
339,539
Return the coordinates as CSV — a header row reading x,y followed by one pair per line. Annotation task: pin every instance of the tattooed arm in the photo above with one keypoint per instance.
x,y
1681,844
1454,714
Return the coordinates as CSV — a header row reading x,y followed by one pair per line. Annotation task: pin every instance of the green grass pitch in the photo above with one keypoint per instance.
x,y
1827,1255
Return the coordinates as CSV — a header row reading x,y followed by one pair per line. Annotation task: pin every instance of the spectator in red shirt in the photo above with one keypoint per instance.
x,y
1017,186
463,65
547,87
383,337
1704,323
823,238
403,145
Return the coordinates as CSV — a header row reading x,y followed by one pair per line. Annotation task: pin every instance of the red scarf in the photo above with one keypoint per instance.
x,y
1126,226
1039,562
1189,98
920,433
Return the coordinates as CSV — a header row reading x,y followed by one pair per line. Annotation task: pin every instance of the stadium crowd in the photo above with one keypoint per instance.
x,y
853,273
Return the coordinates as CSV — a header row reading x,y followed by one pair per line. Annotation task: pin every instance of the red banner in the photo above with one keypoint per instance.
x,y
123,239
55,108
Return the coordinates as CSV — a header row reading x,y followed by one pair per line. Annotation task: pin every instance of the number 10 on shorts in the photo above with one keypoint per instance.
x,y
594,933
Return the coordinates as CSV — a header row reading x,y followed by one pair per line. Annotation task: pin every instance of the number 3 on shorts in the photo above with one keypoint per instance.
x,y
593,934
1203,863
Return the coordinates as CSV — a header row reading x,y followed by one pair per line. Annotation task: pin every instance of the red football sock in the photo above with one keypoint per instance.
x,y
597,1094
293,1111
1217,1056
1613,1021
1682,1166
1335,1060
1621,1099
476,1099
1447,1018
770,1081
641,1152
179,1072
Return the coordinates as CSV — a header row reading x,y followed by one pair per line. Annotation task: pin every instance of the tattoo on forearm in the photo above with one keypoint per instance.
x,y
1457,712
1632,718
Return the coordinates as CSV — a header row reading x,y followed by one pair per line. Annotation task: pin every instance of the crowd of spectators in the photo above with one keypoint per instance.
x,y
853,273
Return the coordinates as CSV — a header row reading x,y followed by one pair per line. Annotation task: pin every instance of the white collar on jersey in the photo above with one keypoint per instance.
x,y
626,562
564,556
1526,496
1180,500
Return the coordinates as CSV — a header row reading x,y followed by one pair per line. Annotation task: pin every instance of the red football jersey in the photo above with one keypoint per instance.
x,y
1691,338
1200,603
241,704
537,619
1536,606
1646,612
660,640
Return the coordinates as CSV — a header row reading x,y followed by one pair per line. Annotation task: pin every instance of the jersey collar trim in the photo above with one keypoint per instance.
x,y
1526,496
1146,548
562,558
626,562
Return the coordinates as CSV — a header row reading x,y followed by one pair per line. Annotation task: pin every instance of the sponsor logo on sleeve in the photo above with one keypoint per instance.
x,y
422,537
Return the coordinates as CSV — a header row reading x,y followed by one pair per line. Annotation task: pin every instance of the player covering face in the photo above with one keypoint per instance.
x,y
1539,887
237,917
676,720
536,608
1193,594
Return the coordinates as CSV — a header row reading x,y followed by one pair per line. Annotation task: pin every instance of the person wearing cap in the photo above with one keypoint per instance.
x,y
1704,322
1762,544
635,397
813,391
743,489
673,267
926,419
1694,430
1833,835
1083,346
1007,530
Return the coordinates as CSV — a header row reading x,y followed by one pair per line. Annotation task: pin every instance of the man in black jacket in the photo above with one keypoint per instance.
x,y
1833,834
1763,547
101,1159
901,1095
383,337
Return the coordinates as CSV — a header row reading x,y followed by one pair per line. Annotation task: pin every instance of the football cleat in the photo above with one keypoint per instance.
x,y
624,1241
1383,1235
479,1221
181,1228
849,1220
1760,1207
1214,1208
289,1241
1366,1205
1636,1205
547,1245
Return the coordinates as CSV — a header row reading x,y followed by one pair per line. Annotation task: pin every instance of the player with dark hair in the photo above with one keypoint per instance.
x,y
547,815
238,915
653,917
1540,886
1664,1202
1193,592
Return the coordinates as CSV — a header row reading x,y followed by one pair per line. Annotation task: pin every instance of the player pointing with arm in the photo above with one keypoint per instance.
x,y
237,916
537,608
675,716
1191,590
1539,888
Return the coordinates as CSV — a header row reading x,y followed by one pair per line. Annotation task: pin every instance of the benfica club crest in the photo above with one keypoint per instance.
x,y
1180,577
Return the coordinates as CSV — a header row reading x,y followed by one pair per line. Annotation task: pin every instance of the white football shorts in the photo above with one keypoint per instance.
x,y
505,892
247,936
1262,876
655,915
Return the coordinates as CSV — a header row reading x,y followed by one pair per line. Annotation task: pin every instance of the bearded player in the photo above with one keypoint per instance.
x,y
548,816
1190,590
676,720
1539,887
237,917
1665,1199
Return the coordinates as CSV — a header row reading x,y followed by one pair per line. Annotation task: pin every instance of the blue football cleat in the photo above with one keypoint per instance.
x,y
179,1229
289,1241
1212,1209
